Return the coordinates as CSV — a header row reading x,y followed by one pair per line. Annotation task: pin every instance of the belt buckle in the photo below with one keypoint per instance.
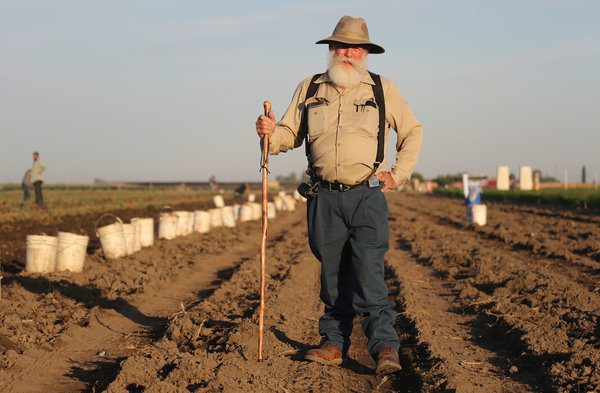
x,y
337,186
341,187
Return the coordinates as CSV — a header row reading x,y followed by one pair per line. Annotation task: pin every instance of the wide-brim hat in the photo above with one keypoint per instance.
x,y
352,31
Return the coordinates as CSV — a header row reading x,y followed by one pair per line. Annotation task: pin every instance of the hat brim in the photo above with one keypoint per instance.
x,y
371,47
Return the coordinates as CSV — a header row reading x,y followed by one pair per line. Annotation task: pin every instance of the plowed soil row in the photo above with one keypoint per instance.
x,y
588,216
66,332
213,345
572,242
538,312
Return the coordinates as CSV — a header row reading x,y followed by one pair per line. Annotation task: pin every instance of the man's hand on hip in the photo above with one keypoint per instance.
x,y
388,181
265,125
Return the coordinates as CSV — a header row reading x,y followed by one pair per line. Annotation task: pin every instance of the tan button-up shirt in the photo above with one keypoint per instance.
x,y
343,129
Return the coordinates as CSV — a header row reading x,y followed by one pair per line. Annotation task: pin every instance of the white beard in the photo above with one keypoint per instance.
x,y
340,75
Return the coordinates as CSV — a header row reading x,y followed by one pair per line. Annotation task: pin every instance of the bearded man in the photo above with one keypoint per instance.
x,y
347,219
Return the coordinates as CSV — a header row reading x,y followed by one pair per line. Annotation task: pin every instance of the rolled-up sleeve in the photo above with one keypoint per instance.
x,y
285,136
410,134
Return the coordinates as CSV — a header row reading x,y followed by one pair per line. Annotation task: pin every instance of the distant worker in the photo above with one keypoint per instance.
x,y
26,184
214,185
37,177
240,193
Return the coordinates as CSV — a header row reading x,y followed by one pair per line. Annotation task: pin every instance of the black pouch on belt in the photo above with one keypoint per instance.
x,y
309,189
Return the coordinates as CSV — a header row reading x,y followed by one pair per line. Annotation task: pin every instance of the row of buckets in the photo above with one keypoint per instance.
x,y
66,251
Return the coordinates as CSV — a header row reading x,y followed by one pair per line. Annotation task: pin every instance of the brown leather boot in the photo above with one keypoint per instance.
x,y
327,354
387,361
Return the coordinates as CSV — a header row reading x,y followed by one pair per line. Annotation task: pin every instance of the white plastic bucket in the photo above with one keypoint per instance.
x,y
216,218
130,232
271,213
289,203
477,214
503,178
190,223
246,213
71,250
256,211
251,197
218,200
525,178
112,239
179,215
183,219
167,226
278,203
146,226
137,245
201,221
228,216
40,253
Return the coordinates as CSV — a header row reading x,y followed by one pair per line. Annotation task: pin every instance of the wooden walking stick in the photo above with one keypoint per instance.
x,y
265,225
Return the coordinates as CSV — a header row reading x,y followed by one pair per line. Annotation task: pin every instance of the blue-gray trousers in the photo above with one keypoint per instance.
x,y
26,194
348,233
39,197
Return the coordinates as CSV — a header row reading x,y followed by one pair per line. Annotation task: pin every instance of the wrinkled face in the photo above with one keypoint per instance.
x,y
348,55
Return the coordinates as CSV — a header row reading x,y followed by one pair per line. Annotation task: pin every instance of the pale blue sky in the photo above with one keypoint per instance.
x,y
169,90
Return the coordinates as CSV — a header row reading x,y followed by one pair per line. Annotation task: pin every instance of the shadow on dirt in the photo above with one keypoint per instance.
x,y
222,276
89,295
417,373
405,245
14,266
297,345
512,355
302,348
357,367
97,375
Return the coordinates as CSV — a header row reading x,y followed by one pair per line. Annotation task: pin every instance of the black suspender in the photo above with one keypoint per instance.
x,y
378,93
312,90
379,98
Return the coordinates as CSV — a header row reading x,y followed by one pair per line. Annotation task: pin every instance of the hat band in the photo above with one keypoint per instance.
x,y
350,37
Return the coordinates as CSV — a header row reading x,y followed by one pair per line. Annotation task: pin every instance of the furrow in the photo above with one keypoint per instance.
x,y
545,318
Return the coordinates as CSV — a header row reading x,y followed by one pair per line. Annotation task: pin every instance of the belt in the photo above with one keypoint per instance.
x,y
340,187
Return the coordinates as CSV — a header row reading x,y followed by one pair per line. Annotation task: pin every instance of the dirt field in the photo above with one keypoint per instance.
x,y
510,307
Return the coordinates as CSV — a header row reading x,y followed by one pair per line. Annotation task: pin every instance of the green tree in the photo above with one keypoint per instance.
x,y
449,179
583,174
291,178
418,176
548,179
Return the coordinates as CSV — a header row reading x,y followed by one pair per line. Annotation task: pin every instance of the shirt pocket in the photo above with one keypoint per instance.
x,y
318,118
365,118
